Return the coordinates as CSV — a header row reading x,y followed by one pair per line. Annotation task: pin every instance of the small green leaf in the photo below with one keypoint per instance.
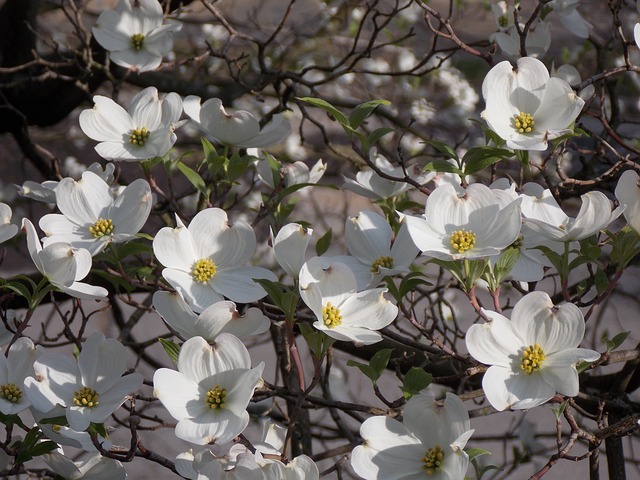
x,y
505,264
523,156
42,448
443,148
375,136
442,166
476,452
602,281
376,366
559,410
275,290
363,110
327,107
323,243
238,165
479,158
172,349
193,177
411,281
415,381
616,341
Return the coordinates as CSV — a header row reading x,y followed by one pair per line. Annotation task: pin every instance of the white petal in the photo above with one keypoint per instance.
x,y
173,247
237,283
628,193
179,395
106,121
131,208
198,360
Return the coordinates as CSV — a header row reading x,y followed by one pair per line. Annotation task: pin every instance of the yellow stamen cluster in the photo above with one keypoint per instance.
x,y
203,270
331,315
532,359
137,41
138,136
86,397
103,227
11,392
432,460
523,122
463,240
386,262
503,21
216,397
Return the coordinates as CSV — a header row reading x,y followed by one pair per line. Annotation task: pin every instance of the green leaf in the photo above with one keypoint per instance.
x,y
415,381
363,110
602,281
327,107
273,289
476,452
505,264
559,410
523,156
616,341
238,165
443,148
323,243
194,177
411,281
375,136
479,158
172,349
376,366
443,166
98,429
318,342
626,246
62,420
289,305
42,448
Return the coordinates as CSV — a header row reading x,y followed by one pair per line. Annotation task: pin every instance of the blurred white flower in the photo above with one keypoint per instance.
x,y
571,75
206,261
537,42
502,15
92,216
628,194
134,34
575,23
92,467
144,131
204,465
7,229
209,393
526,107
14,368
234,128
429,443
533,356
91,388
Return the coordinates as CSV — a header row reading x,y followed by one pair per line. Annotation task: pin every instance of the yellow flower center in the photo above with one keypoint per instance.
x,y
138,136
532,359
331,316
382,262
216,397
11,392
137,41
463,240
101,228
56,428
203,270
523,122
86,397
432,460
503,21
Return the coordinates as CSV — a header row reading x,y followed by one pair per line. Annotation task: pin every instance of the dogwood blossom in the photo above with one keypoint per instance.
x,y
369,239
7,229
570,17
62,265
135,35
544,215
533,356
571,75
91,467
428,443
221,317
209,393
526,107
293,173
329,289
90,389
14,368
234,128
204,262
628,194
290,247
92,216
465,224
204,465
371,185
144,131
537,42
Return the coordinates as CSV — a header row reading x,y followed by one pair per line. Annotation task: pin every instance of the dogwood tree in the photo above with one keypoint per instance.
x,y
288,239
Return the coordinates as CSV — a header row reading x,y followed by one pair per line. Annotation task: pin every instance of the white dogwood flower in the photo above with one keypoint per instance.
x,y
134,34
428,443
62,265
7,229
537,42
144,131
92,216
221,317
570,17
290,247
464,224
526,107
205,262
92,467
533,356
14,368
628,194
209,393
329,289
204,465
90,389
237,128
